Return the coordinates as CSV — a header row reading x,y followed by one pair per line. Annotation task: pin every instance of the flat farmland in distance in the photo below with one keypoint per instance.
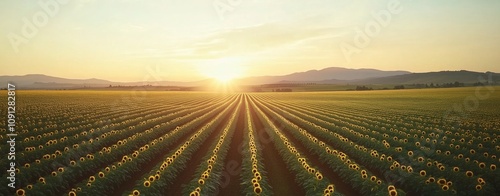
x,y
391,142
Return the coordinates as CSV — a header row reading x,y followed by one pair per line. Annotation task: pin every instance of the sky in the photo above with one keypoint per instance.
x,y
188,40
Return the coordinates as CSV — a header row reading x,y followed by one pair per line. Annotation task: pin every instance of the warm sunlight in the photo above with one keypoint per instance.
x,y
224,70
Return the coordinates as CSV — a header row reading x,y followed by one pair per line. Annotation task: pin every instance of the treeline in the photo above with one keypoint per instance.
x,y
282,90
443,85
288,84
363,88
431,85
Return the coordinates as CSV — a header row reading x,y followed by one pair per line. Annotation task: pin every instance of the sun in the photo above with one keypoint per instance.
x,y
224,78
224,70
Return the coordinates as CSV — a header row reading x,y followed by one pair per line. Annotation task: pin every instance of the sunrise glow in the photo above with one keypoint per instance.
x,y
223,70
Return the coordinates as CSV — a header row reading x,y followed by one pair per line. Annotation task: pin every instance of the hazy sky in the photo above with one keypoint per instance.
x,y
186,40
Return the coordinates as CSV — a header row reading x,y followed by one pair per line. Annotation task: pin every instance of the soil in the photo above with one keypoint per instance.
x,y
280,178
314,160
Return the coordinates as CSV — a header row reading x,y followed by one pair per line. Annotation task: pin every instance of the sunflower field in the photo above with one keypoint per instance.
x,y
393,142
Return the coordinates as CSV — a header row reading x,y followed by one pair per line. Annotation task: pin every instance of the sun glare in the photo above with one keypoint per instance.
x,y
223,70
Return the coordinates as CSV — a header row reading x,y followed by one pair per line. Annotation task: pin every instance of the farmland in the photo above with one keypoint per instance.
x,y
394,142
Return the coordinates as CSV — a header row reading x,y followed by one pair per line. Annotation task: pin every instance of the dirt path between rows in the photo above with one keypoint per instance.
x,y
329,174
186,175
280,178
230,182
126,187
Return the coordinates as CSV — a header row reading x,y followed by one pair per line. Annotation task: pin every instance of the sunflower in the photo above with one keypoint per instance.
x,y
393,193
479,187
20,192
101,174
469,173
493,167
422,173
257,190
72,193
319,176
194,193
445,187
147,183
136,193
91,178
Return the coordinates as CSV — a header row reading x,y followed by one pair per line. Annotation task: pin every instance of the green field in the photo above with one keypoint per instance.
x,y
391,142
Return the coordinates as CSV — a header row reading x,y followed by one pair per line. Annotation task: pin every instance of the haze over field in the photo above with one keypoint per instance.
x,y
331,75
184,41
250,97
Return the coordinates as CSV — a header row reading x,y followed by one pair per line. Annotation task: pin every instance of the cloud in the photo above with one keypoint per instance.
x,y
244,41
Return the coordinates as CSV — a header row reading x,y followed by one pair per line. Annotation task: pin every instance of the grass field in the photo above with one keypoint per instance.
x,y
393,142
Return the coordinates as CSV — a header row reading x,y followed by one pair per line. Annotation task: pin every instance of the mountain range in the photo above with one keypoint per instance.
x,y
337,74
331,75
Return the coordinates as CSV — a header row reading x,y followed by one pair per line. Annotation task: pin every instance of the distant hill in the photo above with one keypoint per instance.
x,y
338,74
441,77
332,75
40,81
40,78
